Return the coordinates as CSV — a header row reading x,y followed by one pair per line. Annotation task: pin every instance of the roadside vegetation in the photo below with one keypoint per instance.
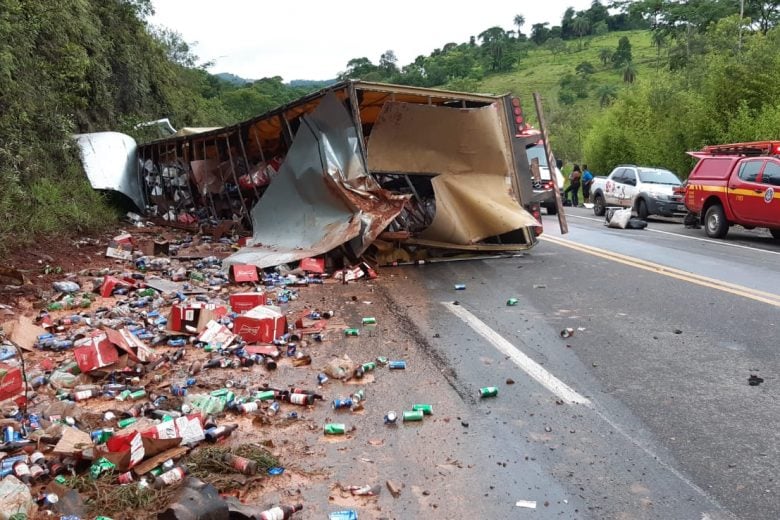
x,y
643,81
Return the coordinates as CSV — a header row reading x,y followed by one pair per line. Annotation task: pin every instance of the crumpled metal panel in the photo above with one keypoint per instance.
x,y
467,151
110,162
321,198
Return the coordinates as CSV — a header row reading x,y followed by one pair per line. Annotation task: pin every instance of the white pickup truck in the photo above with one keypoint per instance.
x,y
648,191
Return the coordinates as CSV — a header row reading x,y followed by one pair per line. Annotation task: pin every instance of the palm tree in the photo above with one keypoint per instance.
x,y
606,95
605,56
629,73
519,22
581,27
658,40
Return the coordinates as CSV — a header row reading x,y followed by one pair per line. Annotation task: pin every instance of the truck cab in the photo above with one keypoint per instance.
x,y
736,184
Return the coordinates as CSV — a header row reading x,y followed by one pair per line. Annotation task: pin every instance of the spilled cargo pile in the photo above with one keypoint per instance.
x,y
152,388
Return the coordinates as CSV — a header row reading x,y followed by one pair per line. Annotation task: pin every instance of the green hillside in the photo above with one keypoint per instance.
x,y
540,71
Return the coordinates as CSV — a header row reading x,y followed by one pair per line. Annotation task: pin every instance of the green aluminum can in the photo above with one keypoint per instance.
x,y
138,394
370,320
488,391
511,302
352,332
426,409
335,429
368,367
414,415
266,395
382,360
124,423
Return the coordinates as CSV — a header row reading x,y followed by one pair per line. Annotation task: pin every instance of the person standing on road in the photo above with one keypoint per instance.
x,y
587,180
574,186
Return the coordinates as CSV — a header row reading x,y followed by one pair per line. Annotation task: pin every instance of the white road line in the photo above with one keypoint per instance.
x,y
688,237
528,365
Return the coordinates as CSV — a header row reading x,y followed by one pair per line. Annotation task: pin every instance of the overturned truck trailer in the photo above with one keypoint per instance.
x,y
410,173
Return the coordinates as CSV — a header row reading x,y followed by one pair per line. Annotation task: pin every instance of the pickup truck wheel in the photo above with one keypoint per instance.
x,y
775,233
598,205
715,223
641,209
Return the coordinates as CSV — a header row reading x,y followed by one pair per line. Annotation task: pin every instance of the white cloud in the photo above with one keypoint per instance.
x,y
314,40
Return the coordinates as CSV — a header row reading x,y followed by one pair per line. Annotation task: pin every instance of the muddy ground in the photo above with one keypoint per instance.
x,y
422,459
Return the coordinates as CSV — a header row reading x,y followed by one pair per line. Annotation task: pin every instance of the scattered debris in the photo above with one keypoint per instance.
x,y
394,488
529,504
754,380
567,332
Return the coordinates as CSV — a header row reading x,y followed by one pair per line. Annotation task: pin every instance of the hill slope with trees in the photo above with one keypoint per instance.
x,y
643,81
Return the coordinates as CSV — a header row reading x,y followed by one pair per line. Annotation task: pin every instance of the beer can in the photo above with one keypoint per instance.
x,y
369,320
8,434
125,478
322,378
123,423
352,332
342,403
317,337
265,395
382,360
414,415
359,396
368,367
36,471
249,407
37,458
397,365
511,302
291,348
178,390
138,394
391,417
460,286
488,391
335,429
426,409
273,409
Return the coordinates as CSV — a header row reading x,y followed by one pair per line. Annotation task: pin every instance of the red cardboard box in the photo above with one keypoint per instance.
x,y
261,324
313,265
245,301
94,352
243,273
10,381
193,318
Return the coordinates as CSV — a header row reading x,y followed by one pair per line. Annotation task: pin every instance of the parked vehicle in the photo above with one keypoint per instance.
x,y
736,184
648,191
543,191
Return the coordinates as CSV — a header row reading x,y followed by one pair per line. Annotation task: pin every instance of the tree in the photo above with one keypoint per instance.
x,y
387,63
766,14
623,53
600,28
495,44
585,68
519,22
605,56
581,27
658,40
629,73
358,68
540,33
555,46
606,94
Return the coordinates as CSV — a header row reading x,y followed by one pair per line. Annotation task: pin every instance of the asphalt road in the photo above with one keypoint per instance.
x,y
646,411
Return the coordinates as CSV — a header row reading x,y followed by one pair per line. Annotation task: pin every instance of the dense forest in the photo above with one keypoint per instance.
x,y
630,81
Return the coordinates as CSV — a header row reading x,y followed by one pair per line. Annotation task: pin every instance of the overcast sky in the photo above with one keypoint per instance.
x,y
308,39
